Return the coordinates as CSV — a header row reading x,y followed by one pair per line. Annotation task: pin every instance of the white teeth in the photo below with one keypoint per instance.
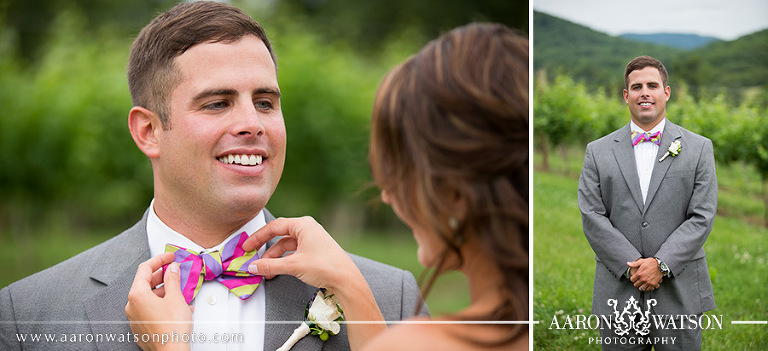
x,y
245,160
645,104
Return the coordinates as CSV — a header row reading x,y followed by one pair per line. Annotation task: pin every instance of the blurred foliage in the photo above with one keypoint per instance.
x,y
34,22
63,131
568,112
67,159
365,24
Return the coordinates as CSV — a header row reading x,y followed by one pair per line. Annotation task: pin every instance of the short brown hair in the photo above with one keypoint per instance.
x,y
151,73
641,62
454,118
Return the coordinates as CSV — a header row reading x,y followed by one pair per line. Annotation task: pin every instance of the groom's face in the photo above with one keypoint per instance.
x,y
646,97
224,151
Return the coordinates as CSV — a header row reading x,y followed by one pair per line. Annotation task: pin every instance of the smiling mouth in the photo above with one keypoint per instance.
x,y
646,104
243,159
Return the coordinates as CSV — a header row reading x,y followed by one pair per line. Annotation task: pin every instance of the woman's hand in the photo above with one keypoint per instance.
x,y
161,313
316,258
318,261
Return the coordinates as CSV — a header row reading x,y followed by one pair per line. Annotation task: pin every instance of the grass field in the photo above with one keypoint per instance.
x,y
564,262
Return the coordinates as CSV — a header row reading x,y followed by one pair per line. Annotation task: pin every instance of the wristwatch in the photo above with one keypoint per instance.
x,y
663,267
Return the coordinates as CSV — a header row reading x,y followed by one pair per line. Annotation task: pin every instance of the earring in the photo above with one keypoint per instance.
x,y
453,223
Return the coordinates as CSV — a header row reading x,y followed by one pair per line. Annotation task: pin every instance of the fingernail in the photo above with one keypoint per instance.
x,y
253,269
174,267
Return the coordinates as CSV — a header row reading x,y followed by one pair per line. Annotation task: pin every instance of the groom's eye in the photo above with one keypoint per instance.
x,y
216,105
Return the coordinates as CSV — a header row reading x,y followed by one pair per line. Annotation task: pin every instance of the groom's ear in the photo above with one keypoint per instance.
x,y
146,128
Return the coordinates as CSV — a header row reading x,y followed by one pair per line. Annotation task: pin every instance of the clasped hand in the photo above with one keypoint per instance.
x,y
645,274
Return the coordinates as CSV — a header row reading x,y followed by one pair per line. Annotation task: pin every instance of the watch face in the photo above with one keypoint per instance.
x,y
663,267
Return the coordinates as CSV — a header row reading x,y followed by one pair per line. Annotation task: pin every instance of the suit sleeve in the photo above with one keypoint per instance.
x,y
411,297
8,328
683,244
611,246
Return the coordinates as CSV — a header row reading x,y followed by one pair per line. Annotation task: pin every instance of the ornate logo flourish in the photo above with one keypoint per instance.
x,y
632,317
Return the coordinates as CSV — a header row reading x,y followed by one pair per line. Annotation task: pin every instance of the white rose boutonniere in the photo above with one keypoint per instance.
x,y
321,318
673,150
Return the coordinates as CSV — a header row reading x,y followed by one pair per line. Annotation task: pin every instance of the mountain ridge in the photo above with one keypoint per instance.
x,y
685,41
598,59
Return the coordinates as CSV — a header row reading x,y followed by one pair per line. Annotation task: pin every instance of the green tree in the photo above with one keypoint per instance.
x,y
564,111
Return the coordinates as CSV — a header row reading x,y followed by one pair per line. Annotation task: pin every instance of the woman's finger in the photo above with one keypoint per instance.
x,y
282,246
278,227
270,267
143,279
172,281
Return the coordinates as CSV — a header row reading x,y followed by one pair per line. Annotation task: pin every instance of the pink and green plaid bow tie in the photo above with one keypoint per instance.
x,y
228,266
639,137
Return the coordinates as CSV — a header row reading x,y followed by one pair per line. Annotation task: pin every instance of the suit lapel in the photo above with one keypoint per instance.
x,y
286,298
625,157
106,308
670,134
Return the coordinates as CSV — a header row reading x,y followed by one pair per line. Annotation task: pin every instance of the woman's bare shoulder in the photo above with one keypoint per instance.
x,y
415,336
407,337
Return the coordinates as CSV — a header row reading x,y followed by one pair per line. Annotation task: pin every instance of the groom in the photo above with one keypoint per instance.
x,y
648,197
207,114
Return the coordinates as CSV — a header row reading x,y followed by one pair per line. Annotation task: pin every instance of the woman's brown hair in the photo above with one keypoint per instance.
x,y
452,121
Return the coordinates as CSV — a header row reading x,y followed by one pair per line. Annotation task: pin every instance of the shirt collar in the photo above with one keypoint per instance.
x,y
159,234
658,128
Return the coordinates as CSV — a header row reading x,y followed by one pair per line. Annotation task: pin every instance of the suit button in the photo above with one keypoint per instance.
x,y
644,224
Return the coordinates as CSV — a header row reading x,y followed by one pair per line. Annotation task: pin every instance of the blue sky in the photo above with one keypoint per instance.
x,y
723,19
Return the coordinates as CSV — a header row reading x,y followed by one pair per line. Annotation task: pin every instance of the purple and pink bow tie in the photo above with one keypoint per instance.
x,y
228,266
639,137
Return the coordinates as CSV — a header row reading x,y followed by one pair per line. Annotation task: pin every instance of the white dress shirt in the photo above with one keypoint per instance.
x,y
218,312
645,156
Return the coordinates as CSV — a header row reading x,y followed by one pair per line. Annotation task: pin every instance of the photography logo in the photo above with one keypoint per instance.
x,y
632,317
632,323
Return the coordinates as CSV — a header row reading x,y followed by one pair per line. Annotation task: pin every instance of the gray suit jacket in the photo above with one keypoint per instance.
x,y
672,224
83,300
